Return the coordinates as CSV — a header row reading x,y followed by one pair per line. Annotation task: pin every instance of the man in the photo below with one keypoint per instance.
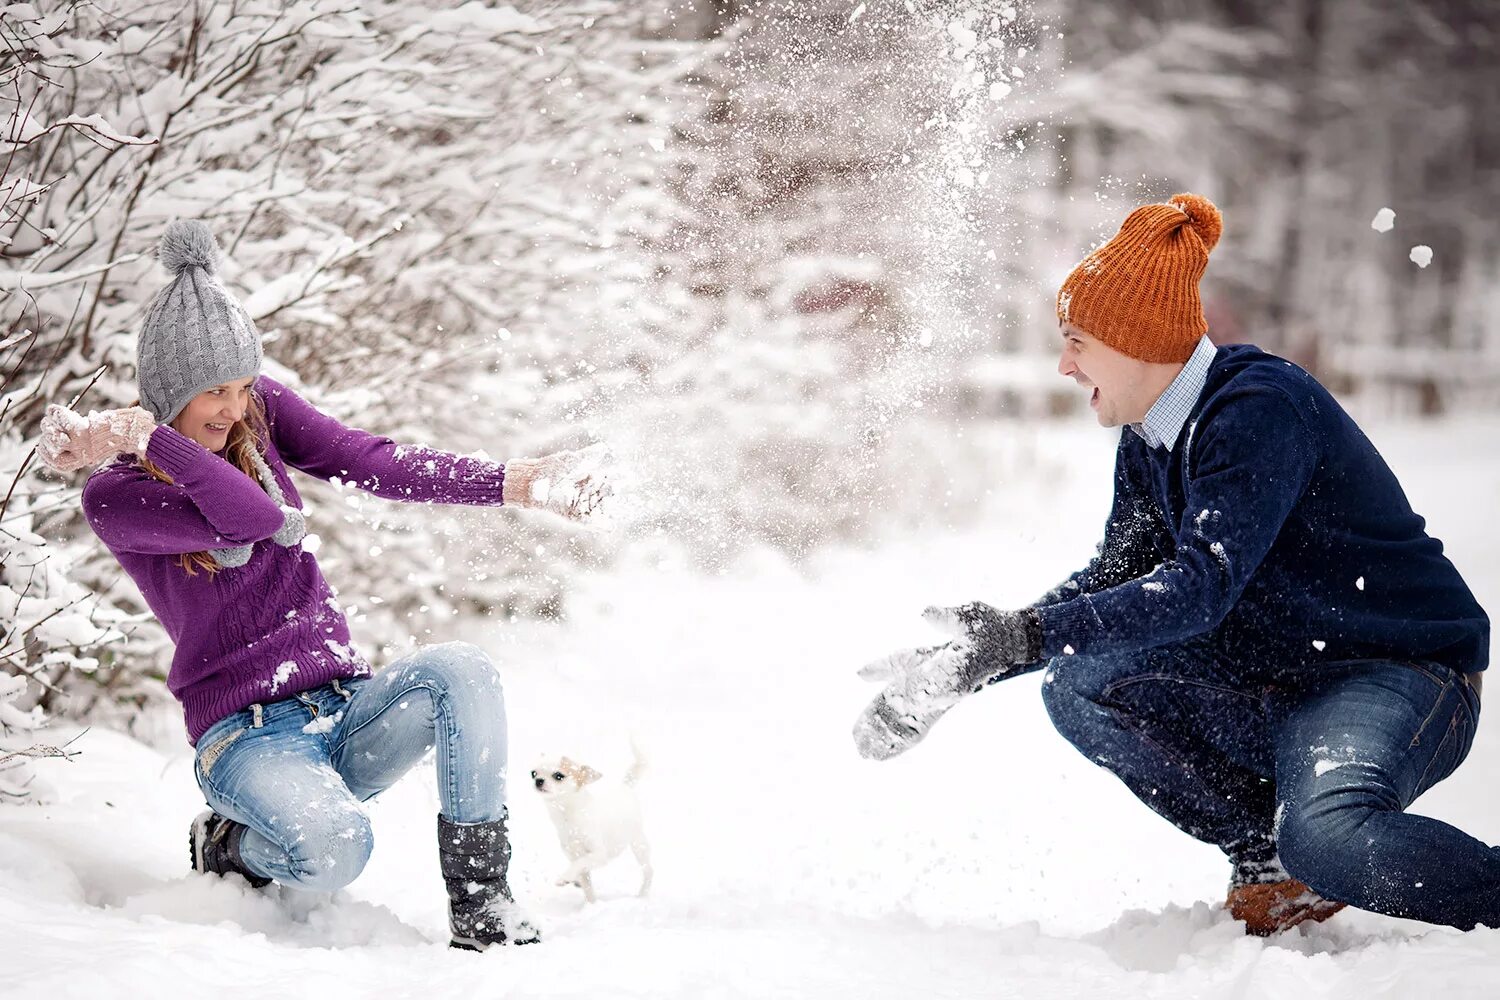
x,y
1268,649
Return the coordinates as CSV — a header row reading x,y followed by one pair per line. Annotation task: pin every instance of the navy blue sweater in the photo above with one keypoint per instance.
x,y
1274,524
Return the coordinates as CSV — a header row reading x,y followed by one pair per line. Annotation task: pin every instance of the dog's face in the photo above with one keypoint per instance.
x,y
561,776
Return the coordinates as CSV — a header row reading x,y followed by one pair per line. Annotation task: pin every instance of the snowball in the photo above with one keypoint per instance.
x,y
964,37
1421,255
283,674
1360,583
1319,645
1383,221
323,724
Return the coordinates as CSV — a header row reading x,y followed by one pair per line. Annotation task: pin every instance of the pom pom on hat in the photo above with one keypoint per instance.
x,y
195,334
1203,216
186,244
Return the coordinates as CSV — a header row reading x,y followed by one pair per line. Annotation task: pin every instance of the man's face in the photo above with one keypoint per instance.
x,y
211,414
1122,388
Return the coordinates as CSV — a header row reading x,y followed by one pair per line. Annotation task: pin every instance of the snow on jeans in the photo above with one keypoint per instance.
x,y
295,771
1318,769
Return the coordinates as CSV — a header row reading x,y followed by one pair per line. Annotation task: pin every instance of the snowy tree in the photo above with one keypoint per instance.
x,y
407,198
1302,119
51,626
821,269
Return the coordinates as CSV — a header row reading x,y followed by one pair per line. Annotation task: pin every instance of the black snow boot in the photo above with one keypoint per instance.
x,y
214,846
475,858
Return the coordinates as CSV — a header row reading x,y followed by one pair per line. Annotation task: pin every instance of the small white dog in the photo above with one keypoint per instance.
x,y
596,818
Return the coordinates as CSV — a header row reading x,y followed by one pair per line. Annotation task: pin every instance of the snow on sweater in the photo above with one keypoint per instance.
x,y
270,628
1273,523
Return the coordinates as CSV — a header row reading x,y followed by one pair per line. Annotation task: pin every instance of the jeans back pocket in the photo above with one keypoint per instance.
x,y
207,757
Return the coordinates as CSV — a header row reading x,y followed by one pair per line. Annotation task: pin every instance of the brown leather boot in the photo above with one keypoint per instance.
x,y
1272,907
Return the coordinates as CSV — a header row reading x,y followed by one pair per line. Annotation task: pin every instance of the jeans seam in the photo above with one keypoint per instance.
x,y
438,711
1437,705
1438,754
1436,678
208,786
1119,685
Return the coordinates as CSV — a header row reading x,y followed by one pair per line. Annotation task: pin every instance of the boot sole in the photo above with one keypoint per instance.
x,y
472,944
197,835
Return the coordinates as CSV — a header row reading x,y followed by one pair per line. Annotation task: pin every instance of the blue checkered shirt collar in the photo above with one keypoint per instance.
x,y
1164,420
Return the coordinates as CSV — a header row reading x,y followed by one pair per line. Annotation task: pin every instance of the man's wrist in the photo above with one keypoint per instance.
x,y
1031,622
1014,639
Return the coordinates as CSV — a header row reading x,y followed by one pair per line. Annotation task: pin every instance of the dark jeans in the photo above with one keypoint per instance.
x,y
1317,770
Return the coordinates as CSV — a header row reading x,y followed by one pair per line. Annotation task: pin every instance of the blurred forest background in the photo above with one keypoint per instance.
x,y
796,261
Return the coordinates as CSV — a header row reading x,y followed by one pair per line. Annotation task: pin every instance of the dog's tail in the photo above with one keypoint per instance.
x,y
638,767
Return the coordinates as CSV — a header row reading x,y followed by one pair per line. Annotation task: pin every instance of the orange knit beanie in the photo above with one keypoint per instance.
x,y
1138,293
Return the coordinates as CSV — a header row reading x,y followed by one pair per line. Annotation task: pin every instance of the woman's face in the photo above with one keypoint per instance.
x,y
210,415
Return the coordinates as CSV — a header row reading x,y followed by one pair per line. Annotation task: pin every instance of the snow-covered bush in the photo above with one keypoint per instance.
x,y
53,629
408,197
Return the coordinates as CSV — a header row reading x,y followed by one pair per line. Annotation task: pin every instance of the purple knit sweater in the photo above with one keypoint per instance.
x,y
265,630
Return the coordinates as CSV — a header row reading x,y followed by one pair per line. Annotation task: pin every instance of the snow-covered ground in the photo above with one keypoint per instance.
x,y
990,861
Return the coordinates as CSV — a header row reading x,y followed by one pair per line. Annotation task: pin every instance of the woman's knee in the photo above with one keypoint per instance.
x,y
330,855
452,666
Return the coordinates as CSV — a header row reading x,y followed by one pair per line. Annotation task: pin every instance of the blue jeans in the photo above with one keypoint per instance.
x,y
1317,769
295,771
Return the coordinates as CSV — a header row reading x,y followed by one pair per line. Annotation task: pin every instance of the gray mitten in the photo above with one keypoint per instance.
x,y
923,684
991,641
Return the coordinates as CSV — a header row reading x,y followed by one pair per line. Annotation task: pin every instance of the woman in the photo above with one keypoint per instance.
x,y
292,729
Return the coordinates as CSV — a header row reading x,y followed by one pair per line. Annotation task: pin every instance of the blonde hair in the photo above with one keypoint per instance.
x,y
245,436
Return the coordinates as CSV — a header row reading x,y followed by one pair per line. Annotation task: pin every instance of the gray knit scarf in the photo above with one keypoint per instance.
x,y
293,526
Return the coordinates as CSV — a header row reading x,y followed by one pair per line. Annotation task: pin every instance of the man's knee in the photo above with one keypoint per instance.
x,y
1070,694
1322,841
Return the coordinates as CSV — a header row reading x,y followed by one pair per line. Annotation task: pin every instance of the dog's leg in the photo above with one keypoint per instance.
x,y
580,873
642,852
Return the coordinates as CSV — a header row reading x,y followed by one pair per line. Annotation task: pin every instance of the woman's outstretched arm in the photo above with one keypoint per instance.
x,y
568,483
316,443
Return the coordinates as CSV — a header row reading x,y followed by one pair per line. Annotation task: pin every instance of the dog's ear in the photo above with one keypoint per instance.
x,y
582,772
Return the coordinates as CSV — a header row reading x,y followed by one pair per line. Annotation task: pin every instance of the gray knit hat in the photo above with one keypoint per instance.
x,y
196,335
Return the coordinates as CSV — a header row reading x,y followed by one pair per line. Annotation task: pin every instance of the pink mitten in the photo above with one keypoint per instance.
x,y
571,484
71,441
